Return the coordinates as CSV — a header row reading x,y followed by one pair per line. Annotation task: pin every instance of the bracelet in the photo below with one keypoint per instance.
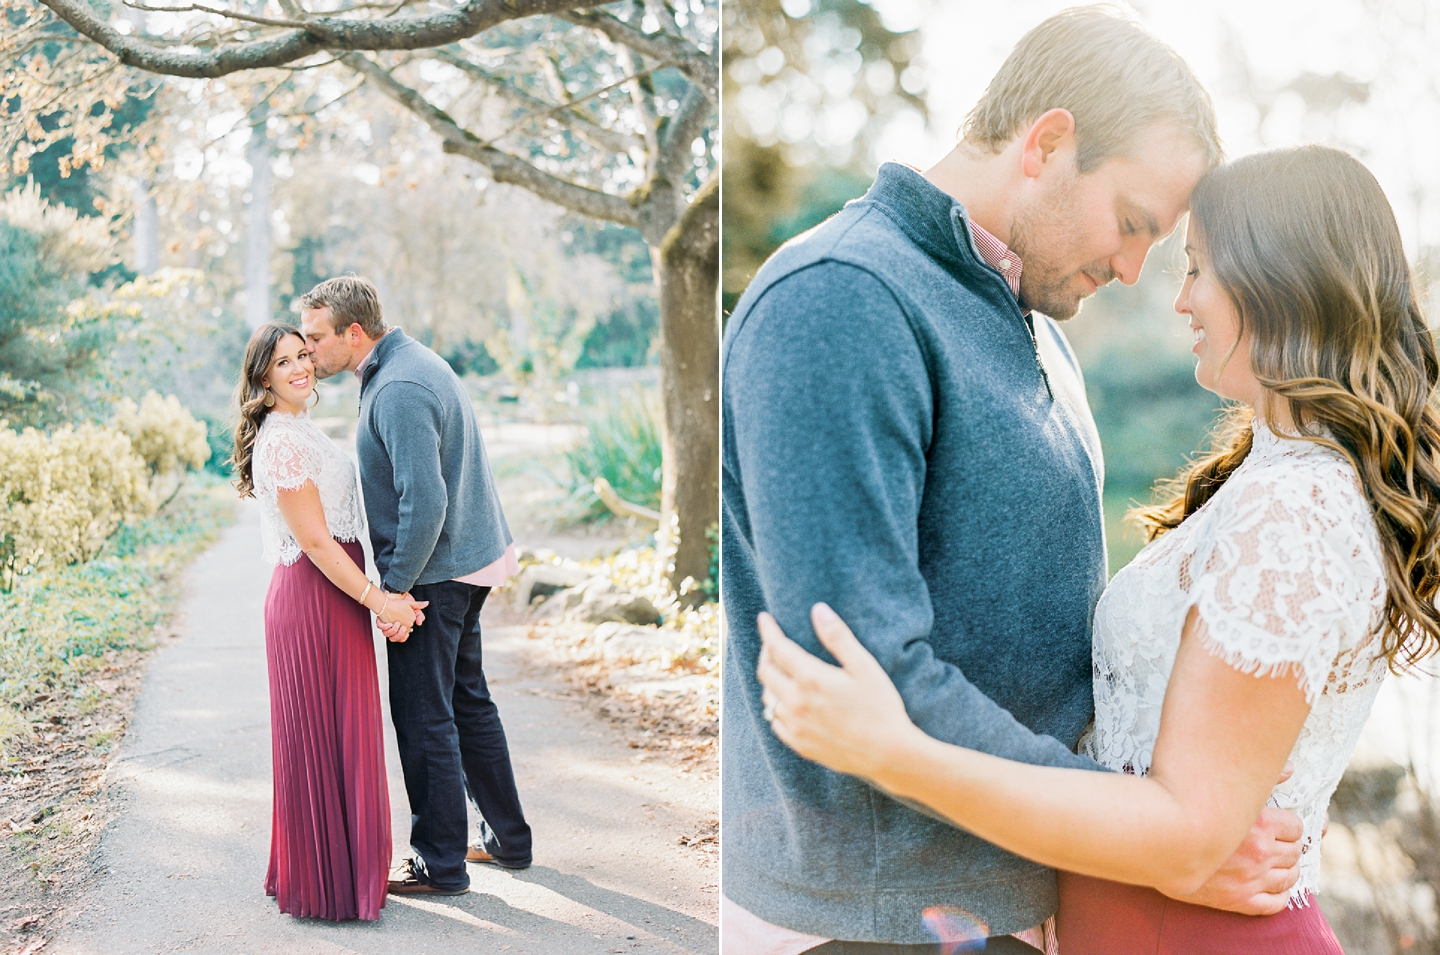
x,y
366,592
383,606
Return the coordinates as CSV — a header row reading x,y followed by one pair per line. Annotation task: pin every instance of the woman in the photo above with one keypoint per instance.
x,y
330,839
1287,571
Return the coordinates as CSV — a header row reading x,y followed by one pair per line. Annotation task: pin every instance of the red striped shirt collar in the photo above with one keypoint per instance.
x,y
998,256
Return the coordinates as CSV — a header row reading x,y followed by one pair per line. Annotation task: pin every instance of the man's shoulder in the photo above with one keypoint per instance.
x,y
861,236
411,363
857,274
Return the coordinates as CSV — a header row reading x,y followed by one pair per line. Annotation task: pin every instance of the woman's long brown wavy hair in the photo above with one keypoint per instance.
x,y
250,397
1305,244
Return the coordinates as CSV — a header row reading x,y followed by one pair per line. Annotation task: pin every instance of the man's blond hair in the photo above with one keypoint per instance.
x,y
352,301
1113,76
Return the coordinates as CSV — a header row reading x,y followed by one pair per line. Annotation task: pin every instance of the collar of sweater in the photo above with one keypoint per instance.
x,y
390,341
934,219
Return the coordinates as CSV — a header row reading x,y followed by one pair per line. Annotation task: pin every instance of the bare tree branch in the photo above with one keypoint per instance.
x,y
310,66
576,121
693,62
660,10
682,130
643,99
503,166
292,114
319,33
218,11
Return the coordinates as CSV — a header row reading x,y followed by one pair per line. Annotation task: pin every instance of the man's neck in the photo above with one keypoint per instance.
x,y
367,345
981,182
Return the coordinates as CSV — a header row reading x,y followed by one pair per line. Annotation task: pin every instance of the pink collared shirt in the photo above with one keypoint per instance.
x,y
744,933
491,575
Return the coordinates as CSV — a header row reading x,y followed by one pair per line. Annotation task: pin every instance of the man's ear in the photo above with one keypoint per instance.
x,y
354,333
1049,138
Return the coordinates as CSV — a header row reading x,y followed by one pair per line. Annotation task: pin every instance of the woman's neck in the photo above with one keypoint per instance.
x,y
288,407
1275,412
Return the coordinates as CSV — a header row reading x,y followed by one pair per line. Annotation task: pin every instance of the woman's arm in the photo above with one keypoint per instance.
x,y
1224,737
305,517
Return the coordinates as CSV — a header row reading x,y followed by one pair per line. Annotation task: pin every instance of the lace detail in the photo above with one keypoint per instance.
x,y
1284,566
289,451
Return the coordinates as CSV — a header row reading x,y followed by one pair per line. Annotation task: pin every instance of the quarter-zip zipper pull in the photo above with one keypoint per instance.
x,y
1039,365
962,229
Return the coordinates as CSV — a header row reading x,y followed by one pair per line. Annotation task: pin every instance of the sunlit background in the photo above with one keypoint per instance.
x,y
819,92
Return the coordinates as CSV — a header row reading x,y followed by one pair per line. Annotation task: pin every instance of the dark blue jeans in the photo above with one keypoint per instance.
x,y
451,741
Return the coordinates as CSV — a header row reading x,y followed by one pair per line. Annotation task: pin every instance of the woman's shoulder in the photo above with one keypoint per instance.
x,y
279,425
288,446
1297,508
1293,478
1295,502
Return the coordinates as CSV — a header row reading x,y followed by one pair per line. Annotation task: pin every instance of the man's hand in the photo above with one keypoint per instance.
x,y
418,605
398,632
1257,878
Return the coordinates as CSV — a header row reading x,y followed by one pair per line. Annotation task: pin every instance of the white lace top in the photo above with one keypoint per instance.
x,y
290,450
1284,567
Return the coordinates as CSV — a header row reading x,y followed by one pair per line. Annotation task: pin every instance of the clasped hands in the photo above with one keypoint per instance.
x,y
402,613
847,717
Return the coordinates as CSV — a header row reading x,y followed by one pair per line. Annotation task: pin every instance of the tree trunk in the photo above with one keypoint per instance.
x,y
257,224
688,271
145,231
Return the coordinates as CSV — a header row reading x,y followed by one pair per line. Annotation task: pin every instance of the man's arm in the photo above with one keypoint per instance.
x,y
407,420
830,405
830,420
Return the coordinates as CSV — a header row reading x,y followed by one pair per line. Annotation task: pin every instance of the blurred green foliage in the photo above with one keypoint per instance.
x,y
47,356
625,337
470,357
220,435
796,73
712,582
622,445
81,188
1134,350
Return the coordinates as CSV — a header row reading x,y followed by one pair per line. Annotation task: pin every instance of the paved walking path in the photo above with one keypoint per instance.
x,y
182,867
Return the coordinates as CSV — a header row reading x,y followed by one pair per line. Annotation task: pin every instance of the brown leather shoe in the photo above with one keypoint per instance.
x,y
477,854
404,880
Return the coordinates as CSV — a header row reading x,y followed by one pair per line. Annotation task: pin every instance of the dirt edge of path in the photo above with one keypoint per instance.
x,y
54,801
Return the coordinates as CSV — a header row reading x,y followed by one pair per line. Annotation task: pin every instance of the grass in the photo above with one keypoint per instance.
x,y
57,627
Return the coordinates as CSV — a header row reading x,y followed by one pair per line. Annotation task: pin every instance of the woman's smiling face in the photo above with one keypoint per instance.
x,y
1224,354
291,375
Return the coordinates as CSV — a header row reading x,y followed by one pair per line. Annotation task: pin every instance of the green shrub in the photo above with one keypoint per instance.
x,y
57,623
163,433
623,447
63,494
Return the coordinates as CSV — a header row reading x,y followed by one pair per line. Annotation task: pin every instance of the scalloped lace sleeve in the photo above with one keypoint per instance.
x,y
1282,580
287,459
290,451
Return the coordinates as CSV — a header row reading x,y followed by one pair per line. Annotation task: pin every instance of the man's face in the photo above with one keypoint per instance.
x,y
1074,232
331,352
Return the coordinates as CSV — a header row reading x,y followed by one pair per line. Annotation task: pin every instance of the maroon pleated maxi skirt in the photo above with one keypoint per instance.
x,y
1107,918
330,836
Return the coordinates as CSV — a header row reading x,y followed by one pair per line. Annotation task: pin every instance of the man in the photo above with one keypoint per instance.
x,y
439,535
907,440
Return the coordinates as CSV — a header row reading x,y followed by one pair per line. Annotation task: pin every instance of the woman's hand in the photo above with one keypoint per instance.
x,y
849,718
401,614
